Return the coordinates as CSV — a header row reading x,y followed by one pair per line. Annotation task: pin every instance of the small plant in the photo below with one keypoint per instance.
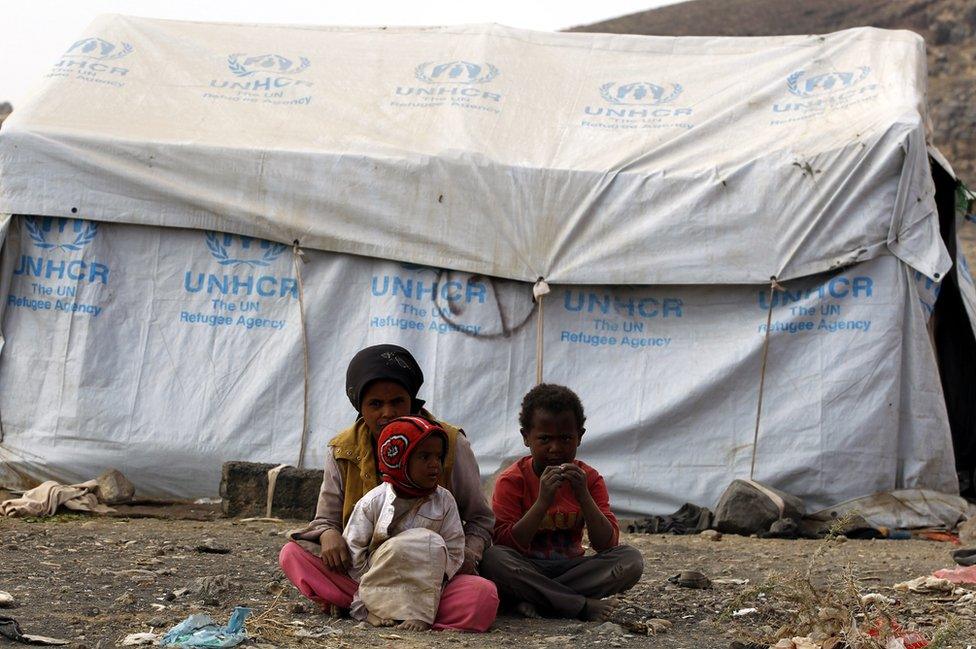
x,y
833,611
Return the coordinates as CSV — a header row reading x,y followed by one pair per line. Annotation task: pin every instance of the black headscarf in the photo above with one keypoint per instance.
x,y
383,363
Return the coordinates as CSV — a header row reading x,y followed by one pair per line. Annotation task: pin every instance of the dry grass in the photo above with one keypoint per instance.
x,y
833,611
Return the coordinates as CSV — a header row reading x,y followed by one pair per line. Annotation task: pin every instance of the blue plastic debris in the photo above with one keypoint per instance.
x,y
201,631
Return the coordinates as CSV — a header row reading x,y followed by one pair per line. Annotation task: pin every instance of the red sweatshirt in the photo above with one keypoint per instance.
x,y
561,533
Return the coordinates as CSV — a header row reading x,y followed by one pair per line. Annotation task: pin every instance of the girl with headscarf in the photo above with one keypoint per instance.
x,y
382,383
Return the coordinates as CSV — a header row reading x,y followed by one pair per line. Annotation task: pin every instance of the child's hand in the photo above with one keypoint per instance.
x,y
335,551
549,482
577,480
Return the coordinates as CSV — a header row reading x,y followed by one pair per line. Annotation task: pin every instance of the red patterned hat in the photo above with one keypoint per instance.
x,y
397,442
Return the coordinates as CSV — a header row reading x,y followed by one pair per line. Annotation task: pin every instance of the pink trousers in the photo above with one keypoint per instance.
x,y
468,603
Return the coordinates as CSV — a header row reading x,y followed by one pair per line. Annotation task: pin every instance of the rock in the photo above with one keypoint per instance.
x,y
124,600
208,588
209,546
324,632
298,608
157,622
657,625
6,599
114,488
609,628
747,507
967,531
244,491
691,579
711,535
745,611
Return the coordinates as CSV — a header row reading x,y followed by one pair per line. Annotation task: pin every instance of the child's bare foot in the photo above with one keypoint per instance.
x,y
598,610
413,625
375,620
528,610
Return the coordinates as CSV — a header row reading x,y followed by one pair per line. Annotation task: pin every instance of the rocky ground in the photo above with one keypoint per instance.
x,y
93,580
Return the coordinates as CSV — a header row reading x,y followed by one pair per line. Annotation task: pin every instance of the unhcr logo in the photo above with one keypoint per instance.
x,y
93,60
823,91
245,65
42,231
803,84
98,49
452,83
263,78
637,105
641,93
245,252
55,234
235,251
456,72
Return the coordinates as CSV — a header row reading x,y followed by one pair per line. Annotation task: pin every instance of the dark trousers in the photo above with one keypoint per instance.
x,y
560,587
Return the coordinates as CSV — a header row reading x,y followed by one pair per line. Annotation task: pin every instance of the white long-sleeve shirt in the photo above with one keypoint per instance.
x,y
381,514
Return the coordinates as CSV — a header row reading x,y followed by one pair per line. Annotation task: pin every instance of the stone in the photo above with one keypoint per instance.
x,y
711,535
6,599
657,625
967,531
749,507
244,491
114,488
209,588
610,628
124,600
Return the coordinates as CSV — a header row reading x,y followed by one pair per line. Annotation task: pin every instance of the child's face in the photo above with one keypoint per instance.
x,y
553,438
425,462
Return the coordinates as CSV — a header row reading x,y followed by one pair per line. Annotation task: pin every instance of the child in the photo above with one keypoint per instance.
x,y
541,504
405,535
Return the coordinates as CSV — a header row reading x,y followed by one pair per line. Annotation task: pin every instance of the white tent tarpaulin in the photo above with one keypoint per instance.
x,y
581,158
153,301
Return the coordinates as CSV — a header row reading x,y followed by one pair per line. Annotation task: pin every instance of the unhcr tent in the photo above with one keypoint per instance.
x,y
205,222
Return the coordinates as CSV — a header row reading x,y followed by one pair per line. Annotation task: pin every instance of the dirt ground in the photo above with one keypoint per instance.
x,y
93,580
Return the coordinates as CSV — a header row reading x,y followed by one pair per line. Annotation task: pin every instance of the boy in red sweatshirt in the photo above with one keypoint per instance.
x,y
542,503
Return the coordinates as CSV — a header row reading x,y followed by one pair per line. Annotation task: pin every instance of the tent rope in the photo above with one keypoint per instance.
x,y
539,291
299,259
272,483
773,287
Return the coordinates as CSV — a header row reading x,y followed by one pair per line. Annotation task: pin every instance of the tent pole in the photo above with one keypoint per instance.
x,y
773,287
538,292
299,259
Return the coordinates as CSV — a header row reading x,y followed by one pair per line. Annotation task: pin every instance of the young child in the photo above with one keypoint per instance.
x,y
541,503
405,536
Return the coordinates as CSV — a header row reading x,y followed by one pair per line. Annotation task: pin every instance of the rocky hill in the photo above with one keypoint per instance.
x,y
948,26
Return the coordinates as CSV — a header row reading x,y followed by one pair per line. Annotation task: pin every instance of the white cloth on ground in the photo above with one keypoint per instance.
x,y
402,551
45,499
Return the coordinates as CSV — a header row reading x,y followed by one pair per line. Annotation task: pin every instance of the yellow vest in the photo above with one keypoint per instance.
x,y
353,452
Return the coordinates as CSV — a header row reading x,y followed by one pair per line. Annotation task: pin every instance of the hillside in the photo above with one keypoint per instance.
x,y
948,26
